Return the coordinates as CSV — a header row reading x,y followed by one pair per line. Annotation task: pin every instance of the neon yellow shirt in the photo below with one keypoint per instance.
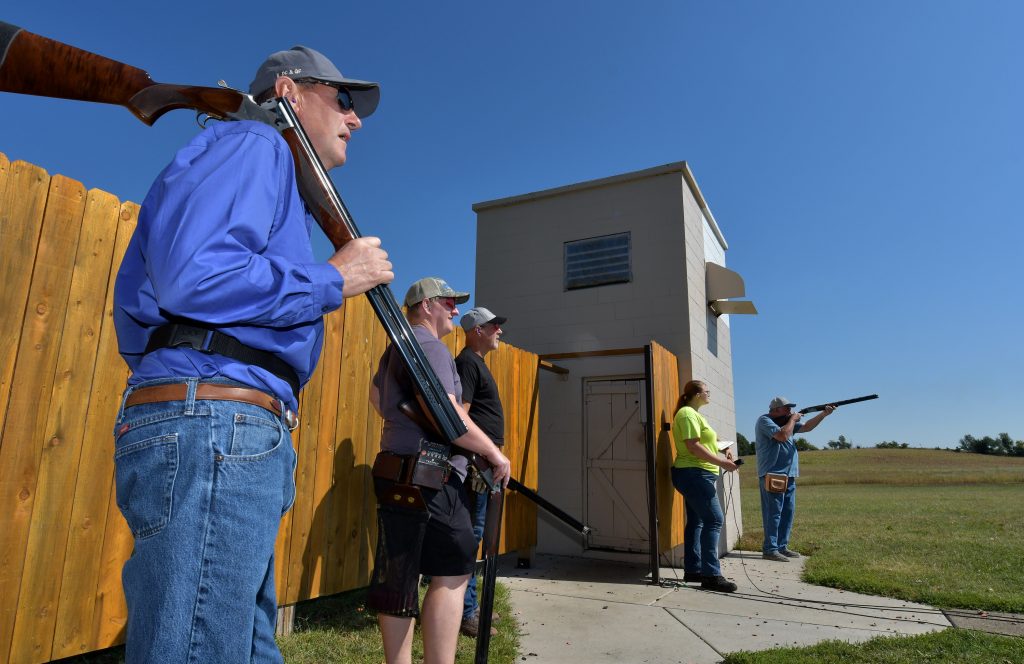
x,y
688,424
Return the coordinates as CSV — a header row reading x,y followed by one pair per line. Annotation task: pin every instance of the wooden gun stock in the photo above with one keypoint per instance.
x,y
35,65
30,64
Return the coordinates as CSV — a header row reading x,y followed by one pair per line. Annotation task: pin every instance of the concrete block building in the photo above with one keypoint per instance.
x,y
588,275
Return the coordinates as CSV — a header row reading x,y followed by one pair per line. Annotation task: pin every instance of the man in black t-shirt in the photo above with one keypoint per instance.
x,y
482,402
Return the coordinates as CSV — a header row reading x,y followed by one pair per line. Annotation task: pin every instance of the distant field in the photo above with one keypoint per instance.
x,y
932,526
906,466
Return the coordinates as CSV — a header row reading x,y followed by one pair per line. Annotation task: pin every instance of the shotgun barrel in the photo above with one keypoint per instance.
x,y
845,402
782,419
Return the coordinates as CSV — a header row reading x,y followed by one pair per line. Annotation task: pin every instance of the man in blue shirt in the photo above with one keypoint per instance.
x,y
218,310
776,453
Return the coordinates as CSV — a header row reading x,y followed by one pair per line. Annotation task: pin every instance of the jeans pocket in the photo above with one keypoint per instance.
x,y
254,437
144,475
289,483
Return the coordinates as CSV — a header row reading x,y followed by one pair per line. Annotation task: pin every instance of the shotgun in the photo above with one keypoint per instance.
x,y
492,527
781,421
416,415
35,65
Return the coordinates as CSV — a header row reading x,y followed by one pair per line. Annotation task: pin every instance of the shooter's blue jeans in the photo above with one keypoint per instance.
x,y
203,486
704,519
777,511
478,514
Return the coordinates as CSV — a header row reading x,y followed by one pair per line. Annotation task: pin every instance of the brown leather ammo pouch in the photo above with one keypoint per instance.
x,y
389,467
429,468
775,482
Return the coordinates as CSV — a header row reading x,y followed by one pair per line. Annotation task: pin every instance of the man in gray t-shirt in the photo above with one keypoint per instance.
x,y
448,545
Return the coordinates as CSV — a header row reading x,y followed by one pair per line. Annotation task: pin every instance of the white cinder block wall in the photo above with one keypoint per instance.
x,y
519,268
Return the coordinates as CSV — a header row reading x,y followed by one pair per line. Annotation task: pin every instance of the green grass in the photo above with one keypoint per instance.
x,y
949,647
340,629
907,467
929,526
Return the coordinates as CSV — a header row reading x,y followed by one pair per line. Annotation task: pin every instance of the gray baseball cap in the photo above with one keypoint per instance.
x,y
300,62
429,287
780,402
479,316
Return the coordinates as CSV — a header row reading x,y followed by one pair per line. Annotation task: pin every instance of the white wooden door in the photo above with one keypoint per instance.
x,y
615,469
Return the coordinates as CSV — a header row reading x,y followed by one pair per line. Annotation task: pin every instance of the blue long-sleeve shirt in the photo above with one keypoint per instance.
x,y
223,239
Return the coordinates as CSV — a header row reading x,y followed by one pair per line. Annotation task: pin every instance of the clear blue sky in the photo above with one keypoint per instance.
x,y
864,160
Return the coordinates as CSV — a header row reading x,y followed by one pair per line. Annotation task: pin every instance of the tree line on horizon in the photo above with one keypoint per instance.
x,y
1001,445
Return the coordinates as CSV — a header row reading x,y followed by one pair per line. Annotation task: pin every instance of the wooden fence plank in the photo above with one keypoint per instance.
x,y
110,611
24,432
302,555
64,428
288,584
75,632
23,190
521,530
363,534
323,481
343,549
21,219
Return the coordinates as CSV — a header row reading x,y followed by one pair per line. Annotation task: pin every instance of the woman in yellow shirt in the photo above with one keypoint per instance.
x,y
695,475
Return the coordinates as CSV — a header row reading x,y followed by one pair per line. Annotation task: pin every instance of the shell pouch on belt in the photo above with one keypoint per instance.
x,y
776,482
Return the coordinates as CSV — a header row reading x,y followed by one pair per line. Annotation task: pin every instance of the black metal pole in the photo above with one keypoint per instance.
x,y
651,460
491,538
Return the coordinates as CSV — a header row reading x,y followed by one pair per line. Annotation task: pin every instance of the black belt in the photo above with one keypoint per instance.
x,y
206,340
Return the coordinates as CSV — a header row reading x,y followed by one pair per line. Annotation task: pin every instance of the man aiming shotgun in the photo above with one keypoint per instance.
x,y
778,467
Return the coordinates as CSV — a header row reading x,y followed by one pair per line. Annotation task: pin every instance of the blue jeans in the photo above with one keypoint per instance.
x,y
203,486
777,510
704,519
478,514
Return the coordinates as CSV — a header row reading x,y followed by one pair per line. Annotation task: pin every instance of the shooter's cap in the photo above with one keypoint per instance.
x,y
429,287
480,316
300,62
780,402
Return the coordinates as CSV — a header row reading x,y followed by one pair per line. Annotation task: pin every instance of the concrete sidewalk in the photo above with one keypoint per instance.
x,y
589,611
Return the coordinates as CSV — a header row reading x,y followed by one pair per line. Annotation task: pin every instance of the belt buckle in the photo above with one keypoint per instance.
x,y
291,419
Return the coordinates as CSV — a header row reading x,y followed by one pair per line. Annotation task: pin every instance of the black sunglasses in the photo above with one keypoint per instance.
x,y
344,96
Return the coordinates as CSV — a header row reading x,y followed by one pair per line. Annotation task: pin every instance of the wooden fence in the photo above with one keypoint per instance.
x,y
62,539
